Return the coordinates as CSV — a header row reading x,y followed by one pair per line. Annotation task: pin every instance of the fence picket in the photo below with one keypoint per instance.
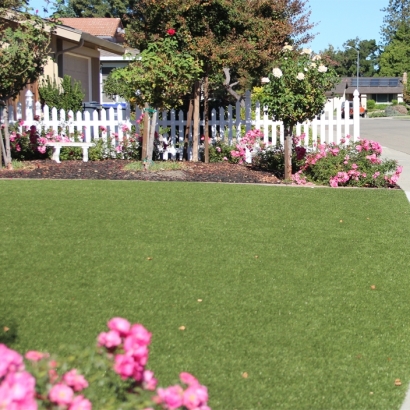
x,y
232,120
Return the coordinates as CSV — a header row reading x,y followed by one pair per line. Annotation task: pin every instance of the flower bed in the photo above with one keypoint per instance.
x,y
119,369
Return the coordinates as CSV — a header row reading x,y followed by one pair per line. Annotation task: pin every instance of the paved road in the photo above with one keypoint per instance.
x,y
394,136
389,132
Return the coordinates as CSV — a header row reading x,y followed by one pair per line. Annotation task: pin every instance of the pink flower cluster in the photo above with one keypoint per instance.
x,y
133,343
348,168
49,137
251,139
194,397
17,387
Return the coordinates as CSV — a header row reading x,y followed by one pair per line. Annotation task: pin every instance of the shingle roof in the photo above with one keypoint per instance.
x,y
94,25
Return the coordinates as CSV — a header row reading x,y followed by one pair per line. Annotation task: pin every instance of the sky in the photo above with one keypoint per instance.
x,y
337,20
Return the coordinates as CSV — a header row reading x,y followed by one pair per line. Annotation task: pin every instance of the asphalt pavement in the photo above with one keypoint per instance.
x,y
394,136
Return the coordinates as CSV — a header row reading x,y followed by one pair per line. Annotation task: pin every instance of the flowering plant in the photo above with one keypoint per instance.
x,y
295,90
119,370
248,145
348,164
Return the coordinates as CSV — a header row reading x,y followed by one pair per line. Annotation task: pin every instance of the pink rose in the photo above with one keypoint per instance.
x,y
141,334
75,380
149,382
80,403
35,356
109,339
124,365
10,361
188,379
194,396
120,325
61,394
171,396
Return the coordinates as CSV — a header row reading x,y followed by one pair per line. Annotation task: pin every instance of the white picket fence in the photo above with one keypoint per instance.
x,y
226,123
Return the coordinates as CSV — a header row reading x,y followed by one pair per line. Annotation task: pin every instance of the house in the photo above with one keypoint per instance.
x,y
75,53
110,29
383,90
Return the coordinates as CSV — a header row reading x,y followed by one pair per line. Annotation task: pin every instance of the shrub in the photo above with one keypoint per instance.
x,y
272,157
371,104
393,102
377,114
113,377
220,151
67,96
401,109
353,164
395,110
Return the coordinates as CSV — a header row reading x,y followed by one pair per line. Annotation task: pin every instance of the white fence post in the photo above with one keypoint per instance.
x,y
356,115
29,106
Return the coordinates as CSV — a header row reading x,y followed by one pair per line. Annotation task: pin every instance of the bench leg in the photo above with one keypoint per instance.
x,y
85,154
56,155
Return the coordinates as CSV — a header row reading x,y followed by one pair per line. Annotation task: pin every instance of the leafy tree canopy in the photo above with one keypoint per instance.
x,y
24,46
397,12
345,61
395,59
94,8
242,35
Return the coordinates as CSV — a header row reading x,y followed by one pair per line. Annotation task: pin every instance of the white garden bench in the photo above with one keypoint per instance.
x,y
57,147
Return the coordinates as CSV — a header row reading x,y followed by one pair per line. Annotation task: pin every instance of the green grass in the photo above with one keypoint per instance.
x,y
155,166
284,275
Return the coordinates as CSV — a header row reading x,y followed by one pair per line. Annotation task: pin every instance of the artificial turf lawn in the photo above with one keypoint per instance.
x,y
284,275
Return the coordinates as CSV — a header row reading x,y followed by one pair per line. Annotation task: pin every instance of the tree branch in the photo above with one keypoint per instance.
x,y
229,87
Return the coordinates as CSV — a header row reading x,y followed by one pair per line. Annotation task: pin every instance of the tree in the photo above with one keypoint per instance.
x,y
345,61
397,12
24,47
94,8
241,36
295,92
157,79
395,59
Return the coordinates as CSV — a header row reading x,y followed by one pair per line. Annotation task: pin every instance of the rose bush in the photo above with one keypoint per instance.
x,y
349,163
117,379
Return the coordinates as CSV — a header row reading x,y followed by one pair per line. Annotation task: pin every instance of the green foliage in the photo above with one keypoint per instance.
x,y
371,104
297,86
345,60
160,74
376,114
395,59
242,35
355,164
24,47
67,96
397,13
394,110
219,151
93,8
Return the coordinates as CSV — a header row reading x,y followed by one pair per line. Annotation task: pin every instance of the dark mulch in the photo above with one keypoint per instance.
x,y
114,170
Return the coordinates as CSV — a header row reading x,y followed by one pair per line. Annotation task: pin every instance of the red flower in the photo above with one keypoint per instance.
x,y
171,31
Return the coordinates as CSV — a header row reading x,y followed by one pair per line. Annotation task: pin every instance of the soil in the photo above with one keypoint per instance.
x,y
114,170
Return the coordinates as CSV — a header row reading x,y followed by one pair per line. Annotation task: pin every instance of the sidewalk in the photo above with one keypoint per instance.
x,y
403,160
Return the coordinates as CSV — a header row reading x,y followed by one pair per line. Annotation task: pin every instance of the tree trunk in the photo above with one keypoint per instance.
x,y
188,125
195,136
288,151
7,160
206,116
1,148
150,149
145,134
